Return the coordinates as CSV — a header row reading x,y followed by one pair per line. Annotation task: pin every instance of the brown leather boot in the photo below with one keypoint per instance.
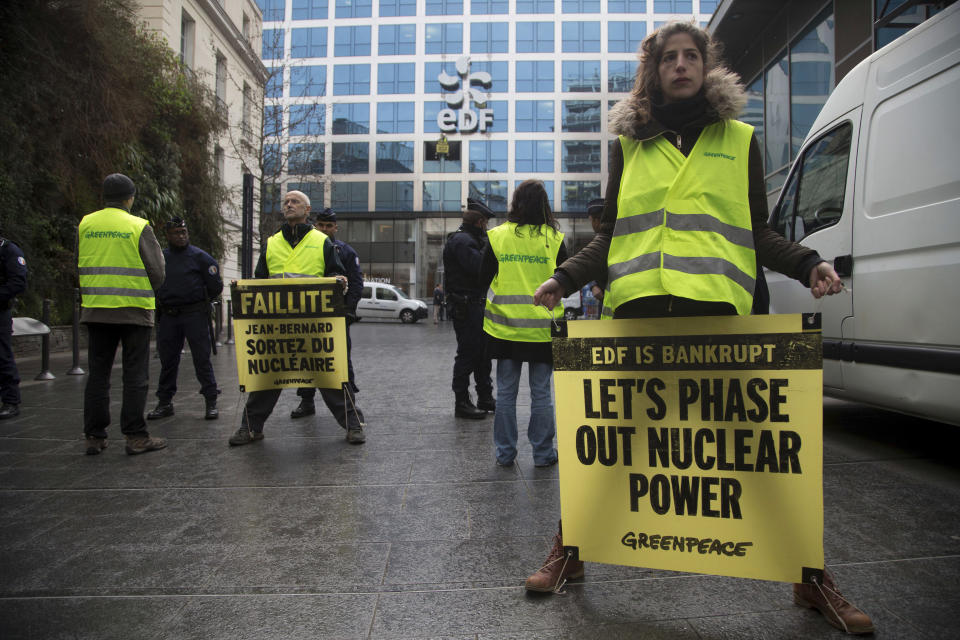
x,y
828,600
557,569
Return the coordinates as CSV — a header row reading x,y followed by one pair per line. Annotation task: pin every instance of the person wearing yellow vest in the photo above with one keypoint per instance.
x,y
297,250
684,230
521,252
120,264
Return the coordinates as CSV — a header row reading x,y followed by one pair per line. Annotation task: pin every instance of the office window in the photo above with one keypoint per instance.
x,y
753,111
581,6
708,6
430,111
626,6
274,86
271,48
489,37
444,38
309,10
351,119
811,79
625,37
308,81
351,157
501,116
533,156
394,196
489,7
535,76
535,37
307,119
621,75
493,192
777,121
581,37
354,8
349,196
351,80
488,156
672,6
534,6
581,75
397,39
306,158
395,117
396,78
444,7
397,8
395,157
351,41
575,194
313,190
442,162
499,75
581,156
441,196
580,115
271,159
309,43
272,9
272,120
534,115
431,75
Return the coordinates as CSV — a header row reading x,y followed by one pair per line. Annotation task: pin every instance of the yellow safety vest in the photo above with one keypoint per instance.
x,y
303,261
526,259
111,271
683,223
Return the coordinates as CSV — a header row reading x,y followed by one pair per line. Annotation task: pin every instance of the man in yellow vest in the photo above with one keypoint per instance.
x,y
297,250
120,264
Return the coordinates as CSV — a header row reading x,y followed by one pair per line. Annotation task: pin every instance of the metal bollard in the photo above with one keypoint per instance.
x,y
218,307
45,346
229,324
75,370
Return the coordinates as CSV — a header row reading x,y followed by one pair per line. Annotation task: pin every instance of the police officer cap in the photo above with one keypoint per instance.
x,y
595,207
479,207
327,215
117,186
175,223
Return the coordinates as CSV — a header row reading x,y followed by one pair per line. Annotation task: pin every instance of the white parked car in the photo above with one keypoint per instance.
x,y
381,300
572,307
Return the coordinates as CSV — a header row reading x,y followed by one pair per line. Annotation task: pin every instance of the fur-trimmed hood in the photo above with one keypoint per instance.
x,y
725,94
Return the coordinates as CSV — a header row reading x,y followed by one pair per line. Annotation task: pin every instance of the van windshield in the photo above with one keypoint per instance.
x,y
400,292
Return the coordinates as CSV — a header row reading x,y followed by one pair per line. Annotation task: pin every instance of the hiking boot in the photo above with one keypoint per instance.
x,y
485,402
245,436
557,569
143,444
211,412
464,408
95,445
163,410
355,434
305,408
828,600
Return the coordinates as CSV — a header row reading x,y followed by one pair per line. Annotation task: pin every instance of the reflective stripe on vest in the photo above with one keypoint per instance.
x,y
111,271
526,258
303,261
683,224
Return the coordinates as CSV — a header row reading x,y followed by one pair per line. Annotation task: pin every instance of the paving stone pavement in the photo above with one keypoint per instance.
x,y
415,534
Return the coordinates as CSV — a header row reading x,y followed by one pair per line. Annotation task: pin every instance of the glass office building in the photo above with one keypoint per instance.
x,y
393,112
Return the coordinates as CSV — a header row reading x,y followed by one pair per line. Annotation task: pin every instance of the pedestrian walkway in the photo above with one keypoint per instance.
x,y
415,534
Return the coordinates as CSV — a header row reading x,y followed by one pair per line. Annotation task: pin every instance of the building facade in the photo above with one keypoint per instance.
x,y
393,112
219,41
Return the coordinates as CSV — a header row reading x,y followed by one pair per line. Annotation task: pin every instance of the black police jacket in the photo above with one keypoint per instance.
x,y
13,273
462,257
192,276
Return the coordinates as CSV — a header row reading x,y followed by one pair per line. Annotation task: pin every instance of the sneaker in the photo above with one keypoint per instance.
x,y
143,444
245,436
828,600
305,408
95,445
505,464
544,465
355,434
163,410
556,570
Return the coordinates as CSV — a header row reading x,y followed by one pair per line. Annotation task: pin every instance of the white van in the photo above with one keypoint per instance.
x,y
875,190
380,300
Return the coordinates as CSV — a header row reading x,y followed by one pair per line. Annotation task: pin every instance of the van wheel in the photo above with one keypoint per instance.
x,y
407,317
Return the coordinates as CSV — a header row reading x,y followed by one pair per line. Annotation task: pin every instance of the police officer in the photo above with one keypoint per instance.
x,y
183,311
13,282
343,406
465,301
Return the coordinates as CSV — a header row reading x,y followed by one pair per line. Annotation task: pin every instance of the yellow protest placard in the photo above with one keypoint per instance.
x,y
289,332
693,444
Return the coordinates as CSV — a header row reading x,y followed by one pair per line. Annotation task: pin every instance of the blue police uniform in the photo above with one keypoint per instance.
x,y
183,307
13,282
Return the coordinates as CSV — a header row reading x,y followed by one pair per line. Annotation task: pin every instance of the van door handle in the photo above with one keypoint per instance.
x,y
843,265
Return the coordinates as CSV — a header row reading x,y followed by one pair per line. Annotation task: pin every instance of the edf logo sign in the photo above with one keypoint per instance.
x,y
466,119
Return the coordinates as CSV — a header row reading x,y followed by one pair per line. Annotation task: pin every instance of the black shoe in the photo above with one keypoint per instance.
x,y
464,408
211,412
9,411
486,403
306,408
163,410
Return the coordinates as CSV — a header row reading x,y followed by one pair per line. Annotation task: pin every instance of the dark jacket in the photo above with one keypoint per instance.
x,y
13,273
293,235
193,276
461,261
350,260
724,99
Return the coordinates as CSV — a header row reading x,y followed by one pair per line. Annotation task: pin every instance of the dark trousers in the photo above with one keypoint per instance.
x,y
260,405
471,355
101,351
341,403
9,376
171,332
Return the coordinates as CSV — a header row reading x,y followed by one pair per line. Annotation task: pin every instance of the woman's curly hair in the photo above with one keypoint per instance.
x,y
646,85
531,205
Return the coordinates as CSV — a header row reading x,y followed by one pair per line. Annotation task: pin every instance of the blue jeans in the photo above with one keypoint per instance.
x,y
542,427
